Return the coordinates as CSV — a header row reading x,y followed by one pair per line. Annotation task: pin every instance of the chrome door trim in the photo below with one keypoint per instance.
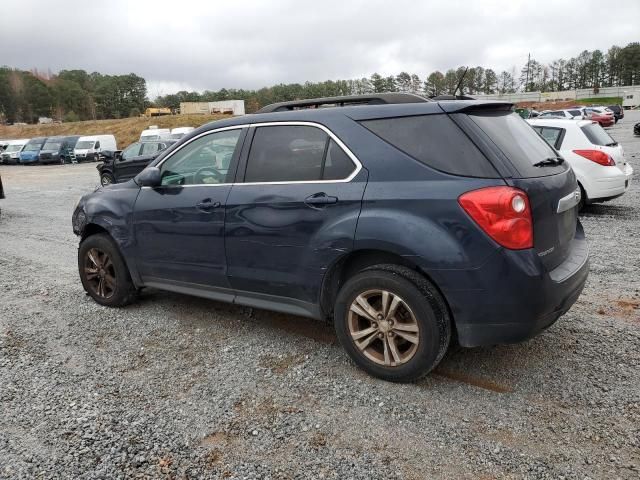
x,y
569,201
345,149
332,135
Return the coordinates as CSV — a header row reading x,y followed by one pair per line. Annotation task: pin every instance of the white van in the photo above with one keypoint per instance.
x,y
89,147
179,132
11,154
155,134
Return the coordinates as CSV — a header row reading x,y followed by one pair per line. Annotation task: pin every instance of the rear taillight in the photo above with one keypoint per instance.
x,y
597,156
503,213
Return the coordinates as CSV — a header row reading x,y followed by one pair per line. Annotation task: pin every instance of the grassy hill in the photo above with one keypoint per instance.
x,y
126,130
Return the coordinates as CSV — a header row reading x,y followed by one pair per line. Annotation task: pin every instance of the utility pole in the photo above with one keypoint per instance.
x,y
526,83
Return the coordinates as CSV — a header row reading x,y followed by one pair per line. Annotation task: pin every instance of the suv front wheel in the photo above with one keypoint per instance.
x,y
392,322
103,273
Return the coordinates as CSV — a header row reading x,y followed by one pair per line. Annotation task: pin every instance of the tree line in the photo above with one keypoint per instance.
x,y
590,69
70,95
78,95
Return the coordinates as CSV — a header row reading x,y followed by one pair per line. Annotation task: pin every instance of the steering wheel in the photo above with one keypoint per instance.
x,y
210,172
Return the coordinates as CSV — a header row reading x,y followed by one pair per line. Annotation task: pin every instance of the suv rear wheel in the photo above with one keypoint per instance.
x,y
392,322
103,273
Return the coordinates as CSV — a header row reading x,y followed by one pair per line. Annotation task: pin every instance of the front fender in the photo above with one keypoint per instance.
x,y
111,208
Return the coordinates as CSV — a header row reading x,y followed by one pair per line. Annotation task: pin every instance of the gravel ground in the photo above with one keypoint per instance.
x,y
181,387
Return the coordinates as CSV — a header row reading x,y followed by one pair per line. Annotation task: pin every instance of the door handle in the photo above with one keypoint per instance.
x,y
319,200
207,205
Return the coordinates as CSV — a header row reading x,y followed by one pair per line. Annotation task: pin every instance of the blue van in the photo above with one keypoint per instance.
x,y
58,149
31,150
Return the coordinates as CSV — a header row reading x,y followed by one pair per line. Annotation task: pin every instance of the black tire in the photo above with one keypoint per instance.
x,y
124,292
583,199
106,179
423,299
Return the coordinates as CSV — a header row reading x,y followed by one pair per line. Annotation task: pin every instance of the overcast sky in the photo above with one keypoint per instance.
x,y
184,44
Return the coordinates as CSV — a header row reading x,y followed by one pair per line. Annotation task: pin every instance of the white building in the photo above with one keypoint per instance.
x,y
231,107
630,95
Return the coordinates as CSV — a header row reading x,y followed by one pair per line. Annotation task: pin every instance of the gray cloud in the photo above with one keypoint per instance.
x,y
249,44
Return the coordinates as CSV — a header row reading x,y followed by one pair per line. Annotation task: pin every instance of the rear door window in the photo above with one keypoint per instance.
x,y
295,153
518,142
436,141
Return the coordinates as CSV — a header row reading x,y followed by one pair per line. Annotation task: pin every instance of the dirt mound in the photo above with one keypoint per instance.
x,y
126,130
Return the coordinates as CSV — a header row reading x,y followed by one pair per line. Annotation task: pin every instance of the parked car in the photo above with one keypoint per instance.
x,y
601,115
89,147
551,114
3,145
404,222
29,153
636,129
11,153
155,134
618,112
179,132
597,159
122,166
569,113
58,149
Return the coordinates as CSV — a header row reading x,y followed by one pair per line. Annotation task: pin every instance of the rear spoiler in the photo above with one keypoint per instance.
x,y
465,106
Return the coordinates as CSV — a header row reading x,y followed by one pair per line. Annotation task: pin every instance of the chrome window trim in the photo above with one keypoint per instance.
x,y
345,149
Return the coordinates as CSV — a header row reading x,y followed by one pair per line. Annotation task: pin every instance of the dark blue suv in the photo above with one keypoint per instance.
x,y
409,222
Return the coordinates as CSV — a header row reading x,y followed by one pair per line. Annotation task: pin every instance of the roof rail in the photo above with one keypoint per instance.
x,y
344,101
452,97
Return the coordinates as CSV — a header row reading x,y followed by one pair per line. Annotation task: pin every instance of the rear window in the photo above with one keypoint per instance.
x,y
436,141
597,135
519,142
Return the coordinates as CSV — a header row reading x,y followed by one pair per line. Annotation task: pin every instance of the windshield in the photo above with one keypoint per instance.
x,y
176,136
519,142
150,137
14,148
32,147
52,146
85,144
597,135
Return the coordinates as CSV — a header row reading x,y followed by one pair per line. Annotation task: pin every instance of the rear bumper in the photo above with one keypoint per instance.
x,y
611,182
513,297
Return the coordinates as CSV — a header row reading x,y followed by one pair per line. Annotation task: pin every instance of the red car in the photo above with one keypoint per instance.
x,y
603,116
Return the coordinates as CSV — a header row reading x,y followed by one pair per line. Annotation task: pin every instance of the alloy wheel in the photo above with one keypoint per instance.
x,y
383,328
100,273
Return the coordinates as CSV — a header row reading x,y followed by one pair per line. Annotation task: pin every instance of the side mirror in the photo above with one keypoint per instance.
x,y
149,177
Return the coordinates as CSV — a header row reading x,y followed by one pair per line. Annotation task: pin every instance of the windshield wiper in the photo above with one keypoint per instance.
x,y
612,144
551,161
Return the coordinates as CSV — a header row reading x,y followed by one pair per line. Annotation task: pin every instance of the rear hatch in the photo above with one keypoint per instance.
x,y
601,140
527,162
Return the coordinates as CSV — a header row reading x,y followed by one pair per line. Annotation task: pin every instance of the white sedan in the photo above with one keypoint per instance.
x,y
597,159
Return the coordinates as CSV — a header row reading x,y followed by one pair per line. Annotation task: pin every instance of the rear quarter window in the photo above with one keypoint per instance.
x,y
518,142
436,141
597,135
